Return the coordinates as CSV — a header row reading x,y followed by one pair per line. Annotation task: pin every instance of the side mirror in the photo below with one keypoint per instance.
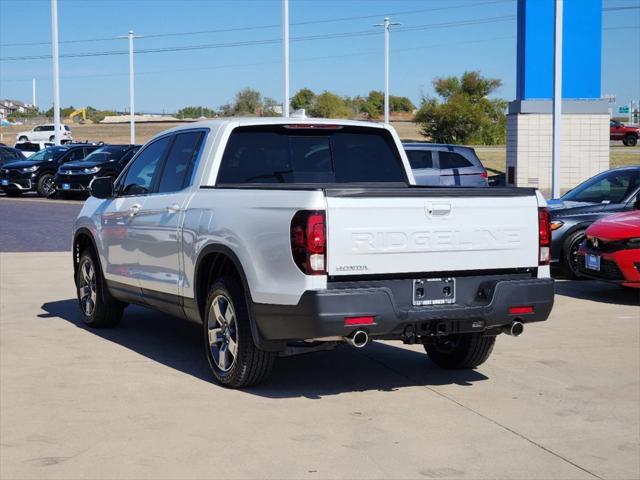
x,y
636,204
102,187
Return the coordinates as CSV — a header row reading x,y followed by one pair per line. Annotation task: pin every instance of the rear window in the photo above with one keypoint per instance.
x,y
278,154
420,158
28,147
452,160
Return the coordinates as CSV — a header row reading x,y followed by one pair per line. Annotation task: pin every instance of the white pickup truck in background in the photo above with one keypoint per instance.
x,y
287,235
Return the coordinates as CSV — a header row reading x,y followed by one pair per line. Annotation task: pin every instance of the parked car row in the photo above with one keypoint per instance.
x,y
63,169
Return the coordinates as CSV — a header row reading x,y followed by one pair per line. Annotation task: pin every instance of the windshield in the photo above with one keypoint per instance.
x,y
105,154
51,153
609,187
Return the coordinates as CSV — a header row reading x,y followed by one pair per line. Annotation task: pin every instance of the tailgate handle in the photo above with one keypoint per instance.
x,y
441,209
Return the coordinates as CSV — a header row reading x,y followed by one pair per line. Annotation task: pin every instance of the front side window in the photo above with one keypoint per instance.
x,y
76,154
318,155
128,156
420,158
612,187
452,160
180,161
140,175
38,129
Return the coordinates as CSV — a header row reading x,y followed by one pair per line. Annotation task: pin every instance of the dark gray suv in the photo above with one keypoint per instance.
x,y
442,165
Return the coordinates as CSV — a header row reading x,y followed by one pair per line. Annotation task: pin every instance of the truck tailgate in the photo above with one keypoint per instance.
x,y
404,230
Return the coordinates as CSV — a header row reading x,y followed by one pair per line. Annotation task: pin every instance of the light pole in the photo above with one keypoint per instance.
x,y
557,99
33,93
386,26
56,71
132,110
285,58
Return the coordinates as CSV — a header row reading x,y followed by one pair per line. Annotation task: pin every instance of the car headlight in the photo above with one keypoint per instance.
x,y
29,169
92,170
556,224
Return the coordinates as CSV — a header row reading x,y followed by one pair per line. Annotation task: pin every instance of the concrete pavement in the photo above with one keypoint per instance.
x,y
562,401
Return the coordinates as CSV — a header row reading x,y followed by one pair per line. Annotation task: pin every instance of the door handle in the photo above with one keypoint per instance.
x,y
134,209
175,208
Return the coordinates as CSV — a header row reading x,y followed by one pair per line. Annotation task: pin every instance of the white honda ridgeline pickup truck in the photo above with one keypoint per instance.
x,y
287,235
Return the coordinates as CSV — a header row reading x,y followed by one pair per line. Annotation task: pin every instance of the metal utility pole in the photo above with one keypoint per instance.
x,y
33,93
557,99
56,70
386,26
285,58
132,110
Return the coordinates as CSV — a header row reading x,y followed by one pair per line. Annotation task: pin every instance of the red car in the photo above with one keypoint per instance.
x,y
611,251
620,131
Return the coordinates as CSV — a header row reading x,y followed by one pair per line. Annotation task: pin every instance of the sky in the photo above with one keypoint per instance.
x,y
436,38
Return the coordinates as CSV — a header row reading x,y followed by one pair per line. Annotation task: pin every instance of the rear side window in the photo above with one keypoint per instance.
x,y
179,164
281,154
452,160
420,158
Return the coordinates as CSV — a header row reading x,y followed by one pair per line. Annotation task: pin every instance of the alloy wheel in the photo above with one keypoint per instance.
x,y
573,254
223,333
87,288
49,186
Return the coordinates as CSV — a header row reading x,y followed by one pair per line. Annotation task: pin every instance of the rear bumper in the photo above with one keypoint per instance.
x,y
321,314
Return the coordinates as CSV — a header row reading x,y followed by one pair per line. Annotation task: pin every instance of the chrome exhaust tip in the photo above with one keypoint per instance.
x,y
515,329
357,339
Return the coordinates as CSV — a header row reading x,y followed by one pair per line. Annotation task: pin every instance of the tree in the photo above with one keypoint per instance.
x,y
373,106
400,104
270,108
247,102
303,98
330,105
463,114
195,112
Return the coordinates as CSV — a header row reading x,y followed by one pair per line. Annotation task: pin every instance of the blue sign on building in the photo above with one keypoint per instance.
x,y
581,50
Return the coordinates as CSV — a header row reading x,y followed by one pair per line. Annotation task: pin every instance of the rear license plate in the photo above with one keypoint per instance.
x,y
66,186
5,183
434,291
592,262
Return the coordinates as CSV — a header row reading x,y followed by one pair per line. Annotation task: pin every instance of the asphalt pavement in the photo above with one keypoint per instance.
x,y
33,224
138,401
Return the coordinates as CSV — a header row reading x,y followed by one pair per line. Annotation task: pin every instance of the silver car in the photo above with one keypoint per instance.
x,y
440,165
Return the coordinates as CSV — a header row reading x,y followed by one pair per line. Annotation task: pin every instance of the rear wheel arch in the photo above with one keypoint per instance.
x,y
217,261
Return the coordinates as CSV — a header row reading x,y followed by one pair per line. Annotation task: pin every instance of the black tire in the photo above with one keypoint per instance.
x,y
13,192
46,186
100,310
250,365
23,139
460,351
569,259
630,140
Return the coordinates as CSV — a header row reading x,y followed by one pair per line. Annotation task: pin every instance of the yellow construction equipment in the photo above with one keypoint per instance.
x,y
79,111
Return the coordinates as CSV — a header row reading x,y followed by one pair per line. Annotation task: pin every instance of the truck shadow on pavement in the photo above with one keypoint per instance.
x,y
177,344
596,291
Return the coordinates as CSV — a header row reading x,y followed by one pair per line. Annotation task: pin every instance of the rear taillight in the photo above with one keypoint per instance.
x,y
308,242
484,174
544,236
